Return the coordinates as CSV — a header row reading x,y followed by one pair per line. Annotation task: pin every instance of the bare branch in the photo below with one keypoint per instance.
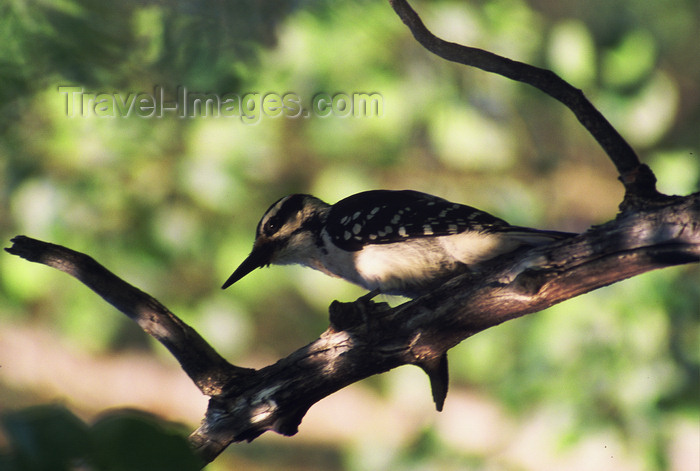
x,y
201,362
637,178
424,329
366,338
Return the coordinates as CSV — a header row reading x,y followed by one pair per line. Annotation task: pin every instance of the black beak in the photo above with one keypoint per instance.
x,y
259,257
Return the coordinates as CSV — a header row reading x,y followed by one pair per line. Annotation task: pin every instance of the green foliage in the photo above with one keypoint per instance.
x,y
50,438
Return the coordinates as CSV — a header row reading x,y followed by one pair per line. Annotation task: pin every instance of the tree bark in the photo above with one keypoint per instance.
x,y
367,338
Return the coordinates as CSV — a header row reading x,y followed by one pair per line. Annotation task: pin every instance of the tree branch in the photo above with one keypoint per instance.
x,y
201,362
638,179
246,403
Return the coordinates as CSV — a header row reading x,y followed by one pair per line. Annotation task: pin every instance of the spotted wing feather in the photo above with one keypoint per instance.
x,y
385,216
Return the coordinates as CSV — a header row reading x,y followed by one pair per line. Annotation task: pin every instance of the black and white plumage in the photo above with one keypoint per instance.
x,y
400,242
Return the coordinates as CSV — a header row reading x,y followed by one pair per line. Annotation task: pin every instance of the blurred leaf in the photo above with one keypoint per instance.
x,y
46,438
50,438
132,441
677,171
631,61
572,53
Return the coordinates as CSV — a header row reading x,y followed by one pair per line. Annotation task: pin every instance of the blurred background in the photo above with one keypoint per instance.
x,y
609,380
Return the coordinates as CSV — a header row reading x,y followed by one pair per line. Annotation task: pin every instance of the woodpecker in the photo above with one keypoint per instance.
x,y
403,243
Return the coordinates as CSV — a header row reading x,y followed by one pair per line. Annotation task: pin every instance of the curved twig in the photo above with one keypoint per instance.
x,y
209,370
637,178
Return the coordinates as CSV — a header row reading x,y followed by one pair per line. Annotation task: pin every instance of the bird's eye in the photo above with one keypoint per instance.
x,y
270,227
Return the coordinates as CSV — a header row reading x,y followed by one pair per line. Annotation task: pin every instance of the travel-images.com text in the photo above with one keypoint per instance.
x,y
250,108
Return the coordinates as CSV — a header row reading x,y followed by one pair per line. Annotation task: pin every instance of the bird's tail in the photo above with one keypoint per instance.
x,y
537,236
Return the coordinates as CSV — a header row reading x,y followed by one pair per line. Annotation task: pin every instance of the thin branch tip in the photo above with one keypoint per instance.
x,y
19,246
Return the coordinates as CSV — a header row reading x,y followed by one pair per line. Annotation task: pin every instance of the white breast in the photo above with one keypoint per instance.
x,y
472,248
413,266
396,268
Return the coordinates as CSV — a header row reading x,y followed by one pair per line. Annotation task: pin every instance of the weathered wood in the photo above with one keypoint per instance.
x,y
367,338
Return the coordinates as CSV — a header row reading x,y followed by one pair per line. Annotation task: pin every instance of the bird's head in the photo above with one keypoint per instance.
x,y
287,233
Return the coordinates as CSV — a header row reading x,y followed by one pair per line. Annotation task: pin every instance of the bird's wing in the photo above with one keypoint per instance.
x,y
386,216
